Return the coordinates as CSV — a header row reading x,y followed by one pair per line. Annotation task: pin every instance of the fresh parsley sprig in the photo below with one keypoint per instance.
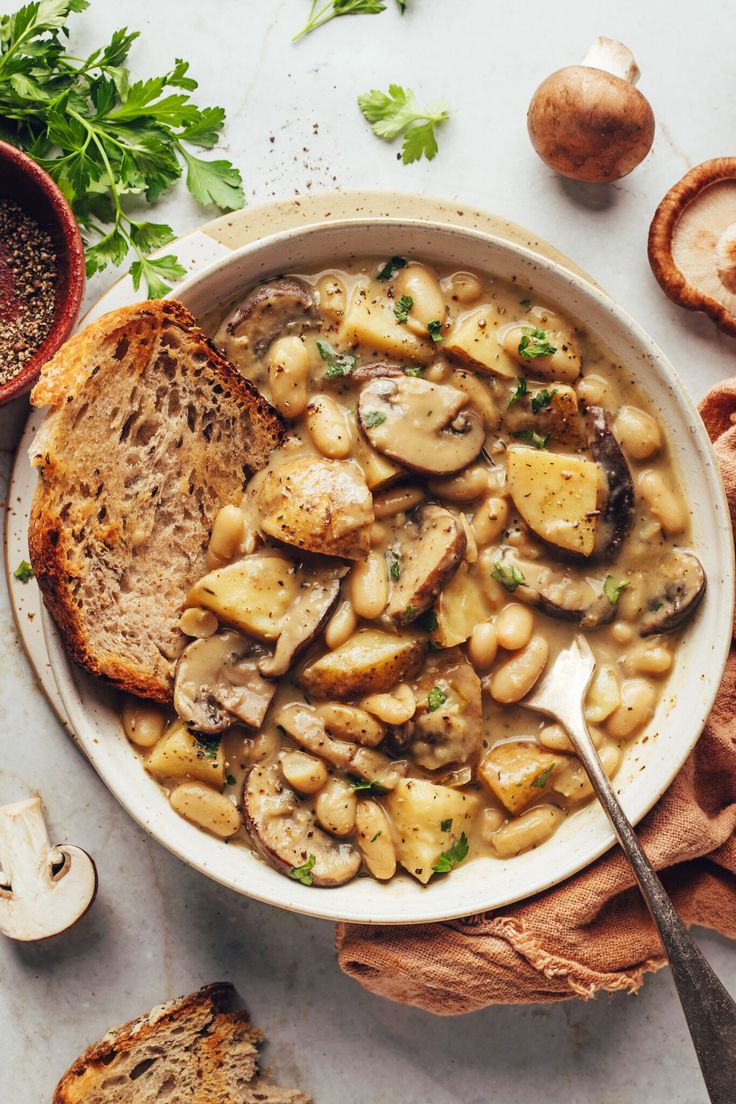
x,y
318,16
535,343
303,873
105,139
454,855
612,588
338,364
507,574
397,111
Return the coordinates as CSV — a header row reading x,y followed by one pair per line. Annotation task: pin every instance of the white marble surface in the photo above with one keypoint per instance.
x,y
159,929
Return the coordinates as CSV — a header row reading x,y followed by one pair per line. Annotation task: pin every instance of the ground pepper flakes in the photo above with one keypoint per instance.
x,y
27,283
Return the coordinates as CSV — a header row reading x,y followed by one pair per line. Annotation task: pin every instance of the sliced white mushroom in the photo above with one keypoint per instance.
x,y
285,305
566,593
317,597
218,682
427,557
43,889
284,830
427,427
675,590
617,515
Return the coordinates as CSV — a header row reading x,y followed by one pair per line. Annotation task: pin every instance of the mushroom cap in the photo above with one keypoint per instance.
x,y
217,681
590,125
692,242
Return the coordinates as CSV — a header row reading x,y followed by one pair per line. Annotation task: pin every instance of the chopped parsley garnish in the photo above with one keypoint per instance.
x,y
535,343
542,779
520,391
402,308
434,329
378,833
446,825
435,698
373,788
451,858
428,621
231,780
538,440
318,16
397,111
24,571
408,613
303,873
373,418
412,371
507,574
612,588
211,749
542,399
526,303
338,364
394,567
402,5
390,268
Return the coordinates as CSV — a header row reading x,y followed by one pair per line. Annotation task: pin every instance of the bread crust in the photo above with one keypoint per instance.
x,y
64,378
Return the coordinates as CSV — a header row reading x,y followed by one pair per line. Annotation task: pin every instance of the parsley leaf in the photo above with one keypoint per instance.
x,y
507,574
428,621
519,393
397,111
434,329
333,8
211,747
402,5
390,268
535,343
542,399
107,141
451,858
446,825
542,779
538,440
402,308
24,571
526,303
394,567
435,698
360,785
412,371
303,873
338,364
231,780
373,418
378,833
612,589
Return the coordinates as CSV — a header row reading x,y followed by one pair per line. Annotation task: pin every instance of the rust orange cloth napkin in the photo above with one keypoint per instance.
x,y
592,932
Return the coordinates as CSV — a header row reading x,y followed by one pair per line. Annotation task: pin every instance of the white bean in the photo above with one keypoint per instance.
x,y
143,724
428,303
305,773
397,500
341,625
368,585
604,695
199,622
482,646
374,840
638,697
514,626
465,287
332,297
393,709
637,433
288,372
491,821
664,501
573,782
465,487
515,678
489,520
649,658
348,722
529,830
227,532
328,427
479,395
206,808
336,807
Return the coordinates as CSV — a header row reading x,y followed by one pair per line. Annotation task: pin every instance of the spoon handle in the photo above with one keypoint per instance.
x,y
709,1009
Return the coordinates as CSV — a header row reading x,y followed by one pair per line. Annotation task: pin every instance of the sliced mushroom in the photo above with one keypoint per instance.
x,y
43,889
564,593
305,619
617,516
380,369
280,306
285,831
676,589
427,427
319,505
448,723
428,556
217,681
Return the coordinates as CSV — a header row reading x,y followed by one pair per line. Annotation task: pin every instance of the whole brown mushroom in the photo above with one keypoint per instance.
x,y
588,122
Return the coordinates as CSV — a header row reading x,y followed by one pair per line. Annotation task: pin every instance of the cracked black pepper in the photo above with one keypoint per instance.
x,y
27,282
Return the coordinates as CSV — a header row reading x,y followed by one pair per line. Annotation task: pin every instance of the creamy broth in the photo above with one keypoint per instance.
x,y
467,480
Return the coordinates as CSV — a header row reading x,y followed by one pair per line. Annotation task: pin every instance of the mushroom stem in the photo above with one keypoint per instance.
x,y
612,57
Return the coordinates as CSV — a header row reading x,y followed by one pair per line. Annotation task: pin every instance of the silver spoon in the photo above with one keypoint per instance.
x,y
709,1009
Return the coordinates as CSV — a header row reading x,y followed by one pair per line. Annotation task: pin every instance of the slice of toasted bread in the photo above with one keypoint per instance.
x,y
192,1049
151,431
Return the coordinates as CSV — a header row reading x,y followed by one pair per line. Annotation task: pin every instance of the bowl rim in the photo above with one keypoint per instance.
x,y
22,383
294,897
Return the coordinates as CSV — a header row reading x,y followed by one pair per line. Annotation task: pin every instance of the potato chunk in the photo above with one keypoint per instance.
x,y
319,505
378,470
427,820
473,340
369,662
518,772
371,321
461,606
254,593
179,755
556,495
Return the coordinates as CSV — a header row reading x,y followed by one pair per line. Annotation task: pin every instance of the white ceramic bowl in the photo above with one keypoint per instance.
x,y
648,767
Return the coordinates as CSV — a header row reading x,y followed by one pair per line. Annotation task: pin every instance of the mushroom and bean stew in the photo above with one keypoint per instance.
x,y
467,481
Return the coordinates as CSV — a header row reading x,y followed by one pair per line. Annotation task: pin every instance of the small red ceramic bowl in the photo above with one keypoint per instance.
x,y
26,183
